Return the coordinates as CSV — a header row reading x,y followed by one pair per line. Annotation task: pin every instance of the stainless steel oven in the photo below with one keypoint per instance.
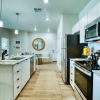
x,y
83,83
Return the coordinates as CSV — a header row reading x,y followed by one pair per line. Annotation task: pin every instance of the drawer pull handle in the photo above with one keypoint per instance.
x,y
18,79
18,87
18,71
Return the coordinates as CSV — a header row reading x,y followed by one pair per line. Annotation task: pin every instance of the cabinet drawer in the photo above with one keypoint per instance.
x,y
17,75
16,67
17,88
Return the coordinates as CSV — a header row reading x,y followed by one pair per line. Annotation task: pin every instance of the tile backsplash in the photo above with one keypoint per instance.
x,y
94,46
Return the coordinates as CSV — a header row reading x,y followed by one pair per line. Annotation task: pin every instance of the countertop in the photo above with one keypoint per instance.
x,y
96,72
78,59
13,62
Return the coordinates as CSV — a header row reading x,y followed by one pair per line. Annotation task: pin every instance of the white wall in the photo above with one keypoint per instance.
x,y
4,33
47,37
94,46
65,27
59,37
68,22
23,37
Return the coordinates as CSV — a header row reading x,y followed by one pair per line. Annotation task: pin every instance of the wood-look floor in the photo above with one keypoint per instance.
x,y
46,84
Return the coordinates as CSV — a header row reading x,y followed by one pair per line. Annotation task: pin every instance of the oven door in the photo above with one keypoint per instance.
x,y
83,80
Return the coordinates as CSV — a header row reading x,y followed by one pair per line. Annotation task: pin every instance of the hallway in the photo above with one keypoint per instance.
x,y
46,84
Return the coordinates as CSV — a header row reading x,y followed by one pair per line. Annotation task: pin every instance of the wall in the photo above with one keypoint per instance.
x,y
23,37
65,27
59,36
68,22
94,46
5,34
47,37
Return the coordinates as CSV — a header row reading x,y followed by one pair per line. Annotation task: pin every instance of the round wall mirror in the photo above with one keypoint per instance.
x,y
38,44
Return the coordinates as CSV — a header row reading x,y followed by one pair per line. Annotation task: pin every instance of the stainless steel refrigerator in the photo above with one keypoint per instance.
x,y
71,49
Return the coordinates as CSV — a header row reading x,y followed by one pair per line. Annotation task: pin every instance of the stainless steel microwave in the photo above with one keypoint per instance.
x,y
92,31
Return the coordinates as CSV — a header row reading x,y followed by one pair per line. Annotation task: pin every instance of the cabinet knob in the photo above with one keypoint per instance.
x,y
18,87
72,73
18,79
71,80
18,71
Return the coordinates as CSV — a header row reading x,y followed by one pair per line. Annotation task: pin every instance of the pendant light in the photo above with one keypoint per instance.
x,y
1,22
16,30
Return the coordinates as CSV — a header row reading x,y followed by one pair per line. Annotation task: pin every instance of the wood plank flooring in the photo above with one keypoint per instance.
x,y
46,84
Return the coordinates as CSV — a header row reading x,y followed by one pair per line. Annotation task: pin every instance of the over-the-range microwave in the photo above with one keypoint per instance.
x,y
92,31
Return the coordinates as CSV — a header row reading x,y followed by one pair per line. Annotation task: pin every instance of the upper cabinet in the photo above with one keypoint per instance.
x,y
82,23
98,9
93,14
75,28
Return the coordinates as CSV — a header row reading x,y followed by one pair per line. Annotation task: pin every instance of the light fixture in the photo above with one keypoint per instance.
x,y
16,30
45,1
48,30
1,22
35,29
47,18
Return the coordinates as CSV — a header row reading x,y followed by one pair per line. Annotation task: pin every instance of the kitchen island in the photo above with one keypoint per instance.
x,y
14,74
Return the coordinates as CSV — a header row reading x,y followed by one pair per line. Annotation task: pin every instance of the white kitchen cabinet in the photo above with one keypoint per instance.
x,y
96,86
93,14
25,71
82,24
75,28
10,81
72,73
98,9
13,78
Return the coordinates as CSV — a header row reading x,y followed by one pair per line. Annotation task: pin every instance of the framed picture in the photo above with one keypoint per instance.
x,y
18,44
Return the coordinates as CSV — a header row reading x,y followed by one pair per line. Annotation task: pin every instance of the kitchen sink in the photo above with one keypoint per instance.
x,y
8,60
17,58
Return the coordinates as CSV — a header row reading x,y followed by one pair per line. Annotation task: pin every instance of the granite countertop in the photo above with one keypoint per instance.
x,y
96,72
13,62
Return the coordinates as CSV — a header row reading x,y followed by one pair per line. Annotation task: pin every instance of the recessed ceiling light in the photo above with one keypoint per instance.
x,y
47,19
46,1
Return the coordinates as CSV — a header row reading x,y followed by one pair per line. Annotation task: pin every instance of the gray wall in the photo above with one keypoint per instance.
x,y
23,37
4,33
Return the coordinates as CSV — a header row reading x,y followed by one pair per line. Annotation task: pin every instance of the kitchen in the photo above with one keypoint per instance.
x,y
89,14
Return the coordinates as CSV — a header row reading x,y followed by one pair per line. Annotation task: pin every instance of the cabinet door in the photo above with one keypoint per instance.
x,y
96,87
23,74
83,23
28,69
99,9
72,73
93,14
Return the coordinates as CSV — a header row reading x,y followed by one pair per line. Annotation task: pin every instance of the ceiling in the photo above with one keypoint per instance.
x,y
28,18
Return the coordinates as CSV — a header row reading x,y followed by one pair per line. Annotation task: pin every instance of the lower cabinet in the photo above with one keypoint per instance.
x,y
25,71
96,86
72,73
13,78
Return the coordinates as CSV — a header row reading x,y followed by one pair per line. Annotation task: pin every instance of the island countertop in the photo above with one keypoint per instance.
x,y
13,62
96,72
